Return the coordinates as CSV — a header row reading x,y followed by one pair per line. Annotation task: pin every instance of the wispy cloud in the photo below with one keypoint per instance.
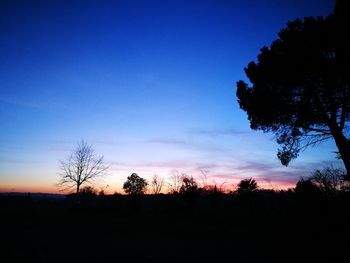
x,y
273,174
168,141
194,145
18,161
254,166
268,174
224,176
173,164
207,166
109,142
60,145
218,132
219,171
311,166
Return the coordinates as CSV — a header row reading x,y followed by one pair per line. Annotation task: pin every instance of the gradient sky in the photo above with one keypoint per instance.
x,y
150,84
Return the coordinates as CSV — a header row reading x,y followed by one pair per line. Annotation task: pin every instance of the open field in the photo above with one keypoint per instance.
x,y
173,229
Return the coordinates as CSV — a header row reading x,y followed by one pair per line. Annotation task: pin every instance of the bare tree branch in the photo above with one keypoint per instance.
x,y
81,167
175,182
157,184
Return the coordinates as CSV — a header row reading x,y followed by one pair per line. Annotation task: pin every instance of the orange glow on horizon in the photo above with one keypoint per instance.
x,y
109,191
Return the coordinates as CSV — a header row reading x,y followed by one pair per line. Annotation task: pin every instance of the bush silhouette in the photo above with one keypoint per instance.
x,y
306,188
247,186
188,186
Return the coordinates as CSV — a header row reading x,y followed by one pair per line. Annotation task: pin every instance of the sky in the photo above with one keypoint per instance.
x,y
150,84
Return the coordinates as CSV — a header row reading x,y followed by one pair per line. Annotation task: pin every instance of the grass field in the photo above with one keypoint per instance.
x,y
173,229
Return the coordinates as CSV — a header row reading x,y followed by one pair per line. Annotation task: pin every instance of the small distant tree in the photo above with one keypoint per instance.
x,y
82,167
214,189
88,191
102,190
329,179
157,184
175,182
204,179
247,186
189,185
135,185
307,189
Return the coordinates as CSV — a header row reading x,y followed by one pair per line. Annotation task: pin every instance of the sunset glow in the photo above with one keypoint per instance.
x,y
150,85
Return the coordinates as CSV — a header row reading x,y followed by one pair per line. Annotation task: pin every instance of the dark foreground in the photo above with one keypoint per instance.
x,y
267,228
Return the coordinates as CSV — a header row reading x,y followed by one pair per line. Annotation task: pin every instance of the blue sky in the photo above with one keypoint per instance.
x,y
151,84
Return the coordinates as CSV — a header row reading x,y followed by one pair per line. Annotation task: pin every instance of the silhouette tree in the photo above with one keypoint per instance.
x,y
87,193
188,185
81,167
175,182
247,186
213,190
306,189
87,190
329,180
157,184
301,86
135,185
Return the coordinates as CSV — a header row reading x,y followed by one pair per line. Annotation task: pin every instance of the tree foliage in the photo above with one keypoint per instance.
x,y
88,190
306,188
301,87
247,185
188,185
135,185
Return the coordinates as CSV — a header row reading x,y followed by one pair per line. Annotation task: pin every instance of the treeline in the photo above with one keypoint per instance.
x,y
327,182
324,193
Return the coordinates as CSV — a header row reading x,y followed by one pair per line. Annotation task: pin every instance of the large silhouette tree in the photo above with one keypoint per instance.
x,y
135,185
82,167
301,86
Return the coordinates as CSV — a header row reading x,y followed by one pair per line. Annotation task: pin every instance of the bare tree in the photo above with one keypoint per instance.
x,y
175,182
330,179
81,167
204,179
220,187
157,184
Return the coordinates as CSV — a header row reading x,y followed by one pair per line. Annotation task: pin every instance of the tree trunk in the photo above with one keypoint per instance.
x,y
345,155
78,186
343,146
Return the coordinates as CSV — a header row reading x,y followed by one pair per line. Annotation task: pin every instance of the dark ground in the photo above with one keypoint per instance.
x,y
267,228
